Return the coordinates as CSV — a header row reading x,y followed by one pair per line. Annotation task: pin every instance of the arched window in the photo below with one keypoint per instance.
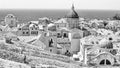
x,y
105,62
102,62
50,43
108,62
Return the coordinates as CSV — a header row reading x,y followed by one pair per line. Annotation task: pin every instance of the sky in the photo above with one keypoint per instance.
x,y
60,4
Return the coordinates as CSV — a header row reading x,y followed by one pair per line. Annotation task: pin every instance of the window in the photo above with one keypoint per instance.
x,y
23,32
76,59
92,42
102,62
97,42
26,32
59,35
34,32
100,34
108,62
50,50
65,35
105,62
19,29
50,43
110,39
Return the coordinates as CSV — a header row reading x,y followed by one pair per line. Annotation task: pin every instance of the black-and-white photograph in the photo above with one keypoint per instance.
x,y
59,33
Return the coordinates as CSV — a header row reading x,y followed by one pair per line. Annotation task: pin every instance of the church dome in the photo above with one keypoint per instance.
x,y
72,13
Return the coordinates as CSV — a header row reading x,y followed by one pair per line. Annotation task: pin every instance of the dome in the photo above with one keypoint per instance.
x,y
72,13
10,16
52,27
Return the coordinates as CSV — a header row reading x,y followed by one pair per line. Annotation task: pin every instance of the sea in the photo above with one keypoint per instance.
x,y
26,15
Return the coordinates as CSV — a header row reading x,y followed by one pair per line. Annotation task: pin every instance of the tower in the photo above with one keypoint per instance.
x,y
11,20
72,18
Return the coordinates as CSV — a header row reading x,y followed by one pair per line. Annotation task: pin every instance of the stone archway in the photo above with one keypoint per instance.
x,y
105,59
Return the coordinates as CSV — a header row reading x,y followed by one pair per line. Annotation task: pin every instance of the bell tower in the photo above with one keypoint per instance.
x,y
72,18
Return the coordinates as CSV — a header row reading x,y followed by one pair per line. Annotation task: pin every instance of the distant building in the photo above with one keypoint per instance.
x,y
62,23
23,31
28,30
44,22
70,21
11,20
2,22
34,29
63,40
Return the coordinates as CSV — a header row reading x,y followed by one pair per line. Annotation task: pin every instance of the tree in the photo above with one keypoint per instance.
x,y
116,17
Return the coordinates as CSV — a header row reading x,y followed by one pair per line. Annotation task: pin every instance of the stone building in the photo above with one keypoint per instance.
x,y
34,29
72,18
11,20
62,23
76,35
28,30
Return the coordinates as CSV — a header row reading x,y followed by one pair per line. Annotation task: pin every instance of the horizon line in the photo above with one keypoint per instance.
x,y
56,9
